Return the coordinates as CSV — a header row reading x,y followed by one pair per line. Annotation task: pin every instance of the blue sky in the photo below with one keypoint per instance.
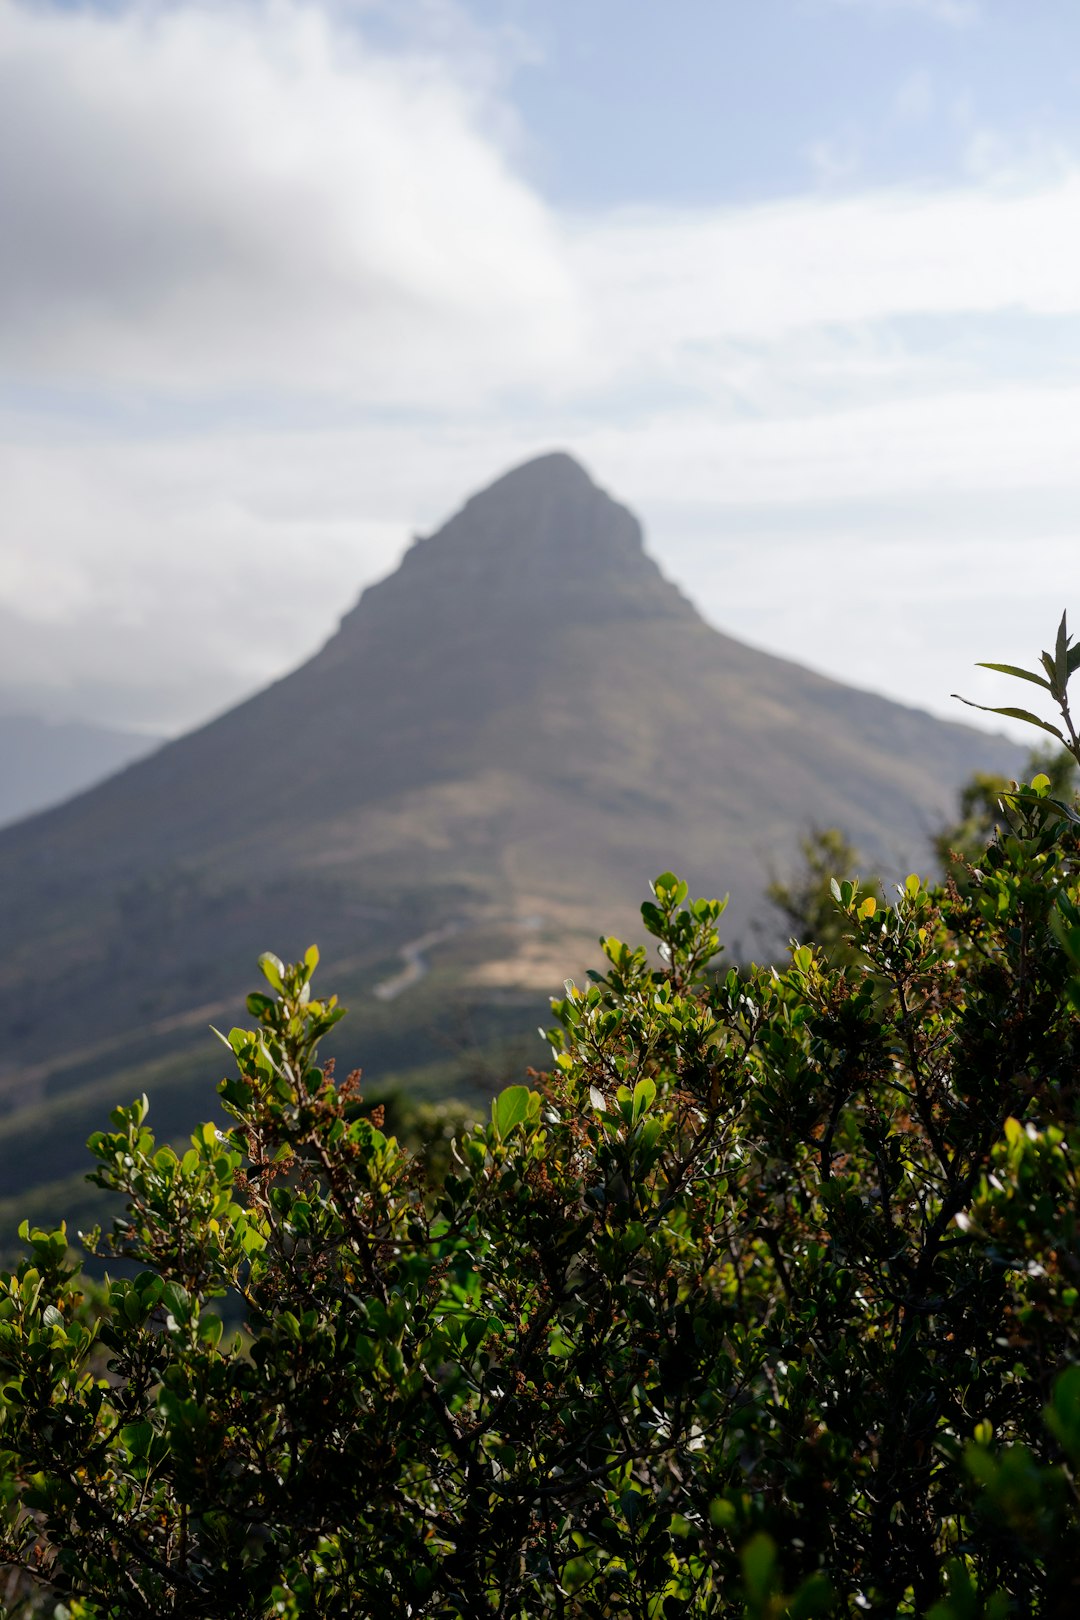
x,y
700,102
285,280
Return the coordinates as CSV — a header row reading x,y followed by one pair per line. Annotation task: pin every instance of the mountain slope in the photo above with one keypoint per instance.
x,y
500,746
43,762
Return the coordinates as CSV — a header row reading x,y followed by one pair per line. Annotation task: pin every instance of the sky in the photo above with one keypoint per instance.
x,y
283,281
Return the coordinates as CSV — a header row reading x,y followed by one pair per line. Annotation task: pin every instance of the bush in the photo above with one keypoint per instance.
x,y
764,1301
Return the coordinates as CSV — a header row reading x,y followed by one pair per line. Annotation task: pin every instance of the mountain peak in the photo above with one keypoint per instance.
x,y
542,541
553,472
548,464
548,502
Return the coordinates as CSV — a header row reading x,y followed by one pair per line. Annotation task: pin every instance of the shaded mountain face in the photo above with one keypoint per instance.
x,y
503,742
43,762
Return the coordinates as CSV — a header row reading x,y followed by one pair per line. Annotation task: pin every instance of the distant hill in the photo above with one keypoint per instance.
x,y
479,772
43,762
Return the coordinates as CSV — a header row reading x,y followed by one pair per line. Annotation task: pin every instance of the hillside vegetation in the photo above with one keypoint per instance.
x,y
764,1301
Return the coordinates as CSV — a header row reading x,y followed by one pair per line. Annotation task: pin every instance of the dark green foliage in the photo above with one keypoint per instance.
x,y
984,815
765,1301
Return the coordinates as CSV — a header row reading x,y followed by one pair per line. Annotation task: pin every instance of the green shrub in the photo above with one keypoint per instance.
x,y
766,1300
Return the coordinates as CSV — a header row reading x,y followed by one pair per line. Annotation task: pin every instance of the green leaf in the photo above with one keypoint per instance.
x,y
1061,656
136,1438
644,1096
1063,1415
722,1513
210,1330
1014,714
962,1602
273,970
509,1110
177,1302
652,917
1021,674
222,1037
759,1566
814,1597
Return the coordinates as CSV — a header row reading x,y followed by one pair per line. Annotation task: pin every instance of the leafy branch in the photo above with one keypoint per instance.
x,y
1059,666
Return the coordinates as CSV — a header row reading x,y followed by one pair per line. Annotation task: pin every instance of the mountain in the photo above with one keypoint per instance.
x,y
43,762
478,773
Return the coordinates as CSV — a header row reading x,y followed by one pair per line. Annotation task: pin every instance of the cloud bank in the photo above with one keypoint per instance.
x,y
271,299
248,196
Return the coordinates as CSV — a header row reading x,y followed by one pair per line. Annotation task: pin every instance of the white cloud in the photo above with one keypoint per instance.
x,y
667,279
246,215
204,202
161,581
986,442
249,196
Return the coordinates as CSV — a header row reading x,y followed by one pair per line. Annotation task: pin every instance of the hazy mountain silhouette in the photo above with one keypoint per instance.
x,y
43,762
502,743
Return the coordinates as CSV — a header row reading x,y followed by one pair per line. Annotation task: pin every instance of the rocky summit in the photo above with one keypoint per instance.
x,y
479,772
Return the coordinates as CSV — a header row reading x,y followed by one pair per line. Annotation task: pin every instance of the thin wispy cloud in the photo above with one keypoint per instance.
x,y
914,100
951,13
768,270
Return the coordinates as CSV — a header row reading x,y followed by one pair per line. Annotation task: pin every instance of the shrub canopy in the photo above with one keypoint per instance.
x,y
765,1300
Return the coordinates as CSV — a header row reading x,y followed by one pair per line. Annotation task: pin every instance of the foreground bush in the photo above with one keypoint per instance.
x,y
765,1300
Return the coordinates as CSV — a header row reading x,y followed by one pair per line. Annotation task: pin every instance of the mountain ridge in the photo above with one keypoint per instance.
x,y
524,720
45,762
